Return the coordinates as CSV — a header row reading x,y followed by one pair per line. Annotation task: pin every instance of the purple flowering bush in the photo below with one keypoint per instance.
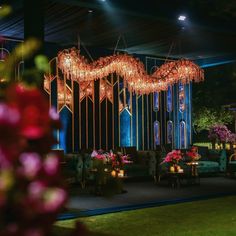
x,y
220,133
232,138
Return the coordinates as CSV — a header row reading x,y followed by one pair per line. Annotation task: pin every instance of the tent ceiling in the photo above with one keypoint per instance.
x,y
144,27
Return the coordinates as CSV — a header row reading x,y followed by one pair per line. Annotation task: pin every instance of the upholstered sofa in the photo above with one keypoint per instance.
x,y
212,161
144,163
69,163
76,167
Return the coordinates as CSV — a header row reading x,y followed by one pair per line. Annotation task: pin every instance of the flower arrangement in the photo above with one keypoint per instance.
x,y
107,166
116,160
101,155
173,157
31,193
193,154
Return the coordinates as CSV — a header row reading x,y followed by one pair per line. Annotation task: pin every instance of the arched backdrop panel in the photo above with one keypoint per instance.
x,y
104,114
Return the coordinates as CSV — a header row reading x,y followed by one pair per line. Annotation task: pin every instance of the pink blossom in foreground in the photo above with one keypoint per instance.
x,y
31,164
53,199
51,165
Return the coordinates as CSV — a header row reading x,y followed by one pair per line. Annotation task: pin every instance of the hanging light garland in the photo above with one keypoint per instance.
x,y
75,67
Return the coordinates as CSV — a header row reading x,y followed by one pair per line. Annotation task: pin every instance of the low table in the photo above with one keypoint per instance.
x,y
193,177
175,179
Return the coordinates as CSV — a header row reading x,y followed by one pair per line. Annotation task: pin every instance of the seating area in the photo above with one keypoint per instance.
x,y
78,167
212,161
112,106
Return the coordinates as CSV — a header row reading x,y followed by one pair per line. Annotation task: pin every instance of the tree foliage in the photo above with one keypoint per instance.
x,y
204,118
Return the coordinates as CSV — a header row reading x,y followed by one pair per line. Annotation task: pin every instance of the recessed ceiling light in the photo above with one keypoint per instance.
x,y
182,18
90,11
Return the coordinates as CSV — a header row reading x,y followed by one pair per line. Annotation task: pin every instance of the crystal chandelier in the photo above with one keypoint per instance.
x,y
75,67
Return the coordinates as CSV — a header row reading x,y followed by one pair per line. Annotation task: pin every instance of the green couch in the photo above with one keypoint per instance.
x,y
212,161
144,163
78,166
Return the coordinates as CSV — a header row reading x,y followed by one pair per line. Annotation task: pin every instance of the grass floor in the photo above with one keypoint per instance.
x,y
215,217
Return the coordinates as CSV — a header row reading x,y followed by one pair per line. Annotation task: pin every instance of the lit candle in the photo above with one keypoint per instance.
x,y
172,169
113,173
121,173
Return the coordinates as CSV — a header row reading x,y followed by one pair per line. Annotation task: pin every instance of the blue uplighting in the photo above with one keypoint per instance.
x,y
217,63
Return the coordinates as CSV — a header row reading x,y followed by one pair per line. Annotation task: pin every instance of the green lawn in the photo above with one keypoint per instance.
x,y
201,218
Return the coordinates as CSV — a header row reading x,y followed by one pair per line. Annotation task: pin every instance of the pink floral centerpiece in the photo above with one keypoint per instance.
x,y
173,157
110,157
193,154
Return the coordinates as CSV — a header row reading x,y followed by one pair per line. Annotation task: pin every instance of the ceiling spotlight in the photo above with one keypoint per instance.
x,y
182,18
102,0
90,11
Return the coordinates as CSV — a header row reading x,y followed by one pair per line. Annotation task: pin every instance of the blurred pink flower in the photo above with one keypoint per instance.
x,y
30,187
53,199
36,189
31,164
53,114
51,165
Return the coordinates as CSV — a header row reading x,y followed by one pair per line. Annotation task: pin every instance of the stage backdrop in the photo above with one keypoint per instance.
x,y
104,114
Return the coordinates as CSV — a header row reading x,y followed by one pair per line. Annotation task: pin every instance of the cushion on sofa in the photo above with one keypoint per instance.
x,y
213,155
142,157
204,152
208,167
135,170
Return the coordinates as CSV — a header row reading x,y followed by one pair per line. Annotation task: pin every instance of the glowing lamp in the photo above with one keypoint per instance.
x,y
182,18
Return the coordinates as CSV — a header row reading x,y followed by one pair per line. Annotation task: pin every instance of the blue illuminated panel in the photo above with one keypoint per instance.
x,y
156,101
169,131
156,133
125,129
181,97
169,99
182,130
